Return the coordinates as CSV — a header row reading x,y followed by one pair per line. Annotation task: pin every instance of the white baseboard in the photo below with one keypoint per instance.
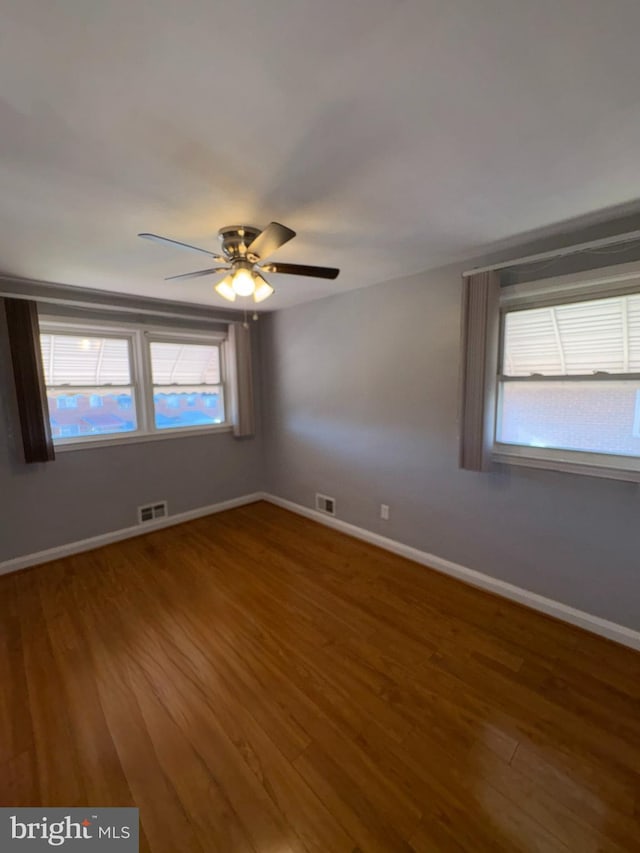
x,y
595,624
124,533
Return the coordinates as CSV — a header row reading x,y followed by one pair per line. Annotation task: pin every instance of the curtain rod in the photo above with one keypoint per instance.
x,y
628,237
100,306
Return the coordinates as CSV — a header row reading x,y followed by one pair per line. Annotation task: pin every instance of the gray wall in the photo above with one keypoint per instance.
x,y
361,403
88,492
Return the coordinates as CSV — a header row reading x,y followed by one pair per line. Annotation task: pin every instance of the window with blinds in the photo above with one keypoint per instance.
x,y
187,386
105,380
570,377
89,382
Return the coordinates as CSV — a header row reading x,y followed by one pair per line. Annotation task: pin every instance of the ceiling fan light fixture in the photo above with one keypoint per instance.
x,y
225,289
263,291
244,248
243,283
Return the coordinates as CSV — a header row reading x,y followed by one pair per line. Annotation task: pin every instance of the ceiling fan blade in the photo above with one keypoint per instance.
x,y
180,245
302,269
197,273
273,236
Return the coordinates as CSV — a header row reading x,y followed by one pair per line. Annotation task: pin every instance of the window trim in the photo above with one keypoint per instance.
x,y
621,280
564,290
65,445
140,337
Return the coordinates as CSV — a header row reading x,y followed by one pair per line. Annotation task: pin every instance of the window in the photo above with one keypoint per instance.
x,y
187,389
105,383
84,378
569,380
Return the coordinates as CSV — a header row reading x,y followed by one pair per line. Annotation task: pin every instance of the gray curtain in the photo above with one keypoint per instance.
x,y
480,340
241,380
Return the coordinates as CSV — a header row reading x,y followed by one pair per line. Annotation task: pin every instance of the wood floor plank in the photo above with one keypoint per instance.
x,y
257,683
203,799
103,778
347,800
58,764
259,815
19,781
16,730
179,658
162,816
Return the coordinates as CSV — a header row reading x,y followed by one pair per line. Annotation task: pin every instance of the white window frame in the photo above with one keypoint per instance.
x,y
621,280
139,338
159,336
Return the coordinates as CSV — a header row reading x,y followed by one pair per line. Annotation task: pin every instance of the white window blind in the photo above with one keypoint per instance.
x,y
579,338
185,364
85,361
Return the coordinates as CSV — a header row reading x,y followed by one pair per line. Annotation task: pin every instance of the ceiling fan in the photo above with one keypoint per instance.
x,y
244,251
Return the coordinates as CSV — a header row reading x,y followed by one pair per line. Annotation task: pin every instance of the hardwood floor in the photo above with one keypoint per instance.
x,y
253,681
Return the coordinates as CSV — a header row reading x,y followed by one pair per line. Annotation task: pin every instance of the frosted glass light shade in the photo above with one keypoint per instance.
x,y
243,283
263,290
225,289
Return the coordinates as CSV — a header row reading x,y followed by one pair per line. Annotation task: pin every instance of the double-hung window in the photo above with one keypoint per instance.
x,y
187,384
569,379
91,387
118,383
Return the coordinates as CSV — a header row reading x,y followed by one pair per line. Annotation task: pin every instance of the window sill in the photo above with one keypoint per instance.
x,y
571,462
69,444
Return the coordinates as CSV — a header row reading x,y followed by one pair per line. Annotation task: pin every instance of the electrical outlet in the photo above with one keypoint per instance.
x,y
384,512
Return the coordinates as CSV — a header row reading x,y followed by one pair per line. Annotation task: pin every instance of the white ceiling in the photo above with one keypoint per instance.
x,y
392,135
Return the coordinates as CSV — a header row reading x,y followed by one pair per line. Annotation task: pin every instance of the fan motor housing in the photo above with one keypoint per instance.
x,y
234,239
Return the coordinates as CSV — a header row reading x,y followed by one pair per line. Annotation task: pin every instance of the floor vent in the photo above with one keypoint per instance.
x,y
152,512
325,504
